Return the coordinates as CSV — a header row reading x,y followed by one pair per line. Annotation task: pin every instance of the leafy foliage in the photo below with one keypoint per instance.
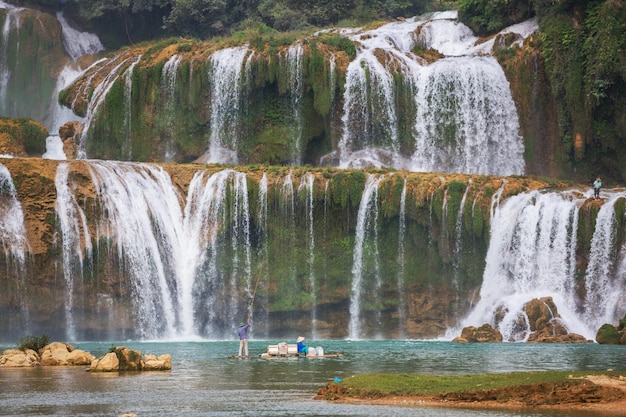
x,y
135,19
490,16
33,342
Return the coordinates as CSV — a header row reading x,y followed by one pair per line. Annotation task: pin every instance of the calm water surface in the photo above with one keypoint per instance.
x,y
205,382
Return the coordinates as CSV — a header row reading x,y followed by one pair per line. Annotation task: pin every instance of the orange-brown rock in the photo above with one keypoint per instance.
x,y
483,334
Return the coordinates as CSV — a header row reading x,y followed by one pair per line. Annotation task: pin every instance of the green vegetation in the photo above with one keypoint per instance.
x,y
26,134
380,385
608,335
582,45
489,16
33,342
123,22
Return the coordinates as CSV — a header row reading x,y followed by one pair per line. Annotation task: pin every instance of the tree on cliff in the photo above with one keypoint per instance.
x,y
139,20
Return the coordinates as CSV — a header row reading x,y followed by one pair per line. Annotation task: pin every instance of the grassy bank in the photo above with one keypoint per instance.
x,y
384,385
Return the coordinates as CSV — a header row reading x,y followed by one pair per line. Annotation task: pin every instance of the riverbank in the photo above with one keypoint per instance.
x,y
604,392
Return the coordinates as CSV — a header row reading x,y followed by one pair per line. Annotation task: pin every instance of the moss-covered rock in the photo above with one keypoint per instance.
x,y
22,137
608,335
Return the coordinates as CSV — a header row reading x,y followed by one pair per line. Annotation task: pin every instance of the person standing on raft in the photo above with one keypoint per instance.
x,y
243,337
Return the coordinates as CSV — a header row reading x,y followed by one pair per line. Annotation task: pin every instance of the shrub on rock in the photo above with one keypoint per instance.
x,y
608,335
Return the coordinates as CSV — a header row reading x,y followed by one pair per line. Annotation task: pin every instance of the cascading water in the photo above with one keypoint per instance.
x,y
402,313
78,43
169,102
369,116
121,64
127,145
604,279
12,233
458,233
73,226
465,118
173,261
292,61
306,188
211,286
228,78
15,246
532,255
365,266
11,21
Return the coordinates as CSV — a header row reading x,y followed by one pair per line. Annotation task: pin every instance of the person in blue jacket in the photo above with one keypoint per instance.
x,y
302,349
243,337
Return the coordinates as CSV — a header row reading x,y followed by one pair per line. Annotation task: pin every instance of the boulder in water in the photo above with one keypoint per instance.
x,y
16,358
107,363
157,363
483,334
609,334
125,359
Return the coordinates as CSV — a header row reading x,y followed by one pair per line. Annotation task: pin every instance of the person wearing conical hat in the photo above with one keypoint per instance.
x,y
301,347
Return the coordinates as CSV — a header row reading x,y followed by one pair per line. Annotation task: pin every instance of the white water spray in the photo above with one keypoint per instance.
x,y
532,255
306,188
367,225
228,80
292,60
75,242
119,64
465,118
169,103
78,43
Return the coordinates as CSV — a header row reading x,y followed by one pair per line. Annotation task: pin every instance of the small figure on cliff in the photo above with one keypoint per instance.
x,y
243,337
301,347
596,188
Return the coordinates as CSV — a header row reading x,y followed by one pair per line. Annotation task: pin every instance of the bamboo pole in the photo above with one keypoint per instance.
x,y
258,278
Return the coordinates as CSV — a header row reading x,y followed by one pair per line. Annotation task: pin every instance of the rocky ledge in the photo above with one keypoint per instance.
x,y
64,354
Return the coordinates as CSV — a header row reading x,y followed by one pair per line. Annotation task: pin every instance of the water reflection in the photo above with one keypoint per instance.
x,y
205,382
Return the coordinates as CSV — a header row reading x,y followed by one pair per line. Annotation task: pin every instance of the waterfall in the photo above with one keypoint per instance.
x,y
532,255
174,259
72,223
228,81
209,288
58,115
402,310
169,103
306,188
604,281
12,233
15,247
262,218
369,117
464,119
292,61
78,43
119,64
12,20
458,236
365,265
127,145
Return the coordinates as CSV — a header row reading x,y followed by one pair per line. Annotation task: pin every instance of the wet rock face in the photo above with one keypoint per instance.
x,y
483,334
541,323
546,325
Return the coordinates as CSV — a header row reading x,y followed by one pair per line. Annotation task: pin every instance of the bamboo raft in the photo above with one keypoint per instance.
x,y
286,351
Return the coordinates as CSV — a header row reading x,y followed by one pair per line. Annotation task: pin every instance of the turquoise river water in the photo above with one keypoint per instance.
x,y
204,381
